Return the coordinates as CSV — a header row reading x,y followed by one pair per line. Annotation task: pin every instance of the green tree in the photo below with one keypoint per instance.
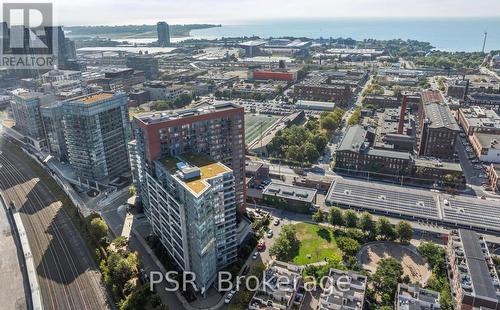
x,y
294,153
289,232
310,152
312,124
336,217
318,216
355,117
280,248
351,218
98,229
385,229
329,123
435,256
297,135
385,280
348,245
285,243
183,100
136,300
367,224
404,232
356,234
132,191
445,299
276,146
320,141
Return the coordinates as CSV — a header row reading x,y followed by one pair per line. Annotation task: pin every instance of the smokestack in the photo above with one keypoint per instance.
x,y
404,106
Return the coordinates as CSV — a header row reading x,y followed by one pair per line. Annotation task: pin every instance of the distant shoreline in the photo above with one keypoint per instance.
x,y
132,31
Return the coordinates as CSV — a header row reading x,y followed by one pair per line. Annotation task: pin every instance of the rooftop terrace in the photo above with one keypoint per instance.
x,y
207,168
95,97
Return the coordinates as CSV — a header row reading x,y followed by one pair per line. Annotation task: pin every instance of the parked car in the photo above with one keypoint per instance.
x,y
255,255
276,222
270,233
228,298
318,169
261,246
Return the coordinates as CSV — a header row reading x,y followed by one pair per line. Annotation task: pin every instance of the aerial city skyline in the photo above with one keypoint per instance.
x,y
323,162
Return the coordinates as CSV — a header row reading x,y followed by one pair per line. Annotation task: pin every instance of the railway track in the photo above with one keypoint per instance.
x,y
68,276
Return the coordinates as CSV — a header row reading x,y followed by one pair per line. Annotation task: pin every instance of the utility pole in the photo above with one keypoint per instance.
x,y
261,149
484,41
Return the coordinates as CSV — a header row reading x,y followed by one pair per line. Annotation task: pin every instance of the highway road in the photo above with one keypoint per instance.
x,y
67,274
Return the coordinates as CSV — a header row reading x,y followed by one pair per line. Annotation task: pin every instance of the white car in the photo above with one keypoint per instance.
x,y
269,233
255,255
228,298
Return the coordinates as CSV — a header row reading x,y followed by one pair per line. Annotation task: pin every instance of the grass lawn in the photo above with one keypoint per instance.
x,y
318,242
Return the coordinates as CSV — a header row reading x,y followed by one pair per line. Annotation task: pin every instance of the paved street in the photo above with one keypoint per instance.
x,y
474,182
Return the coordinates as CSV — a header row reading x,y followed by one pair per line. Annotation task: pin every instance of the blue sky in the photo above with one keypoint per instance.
x,y
113,12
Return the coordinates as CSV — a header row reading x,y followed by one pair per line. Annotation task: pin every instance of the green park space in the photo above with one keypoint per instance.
x,y
315,244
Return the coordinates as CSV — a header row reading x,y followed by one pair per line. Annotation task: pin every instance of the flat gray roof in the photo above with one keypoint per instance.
x,y
439,116
353,139
478,270
290,192
417,204
488,141
160,116
437,164
389,153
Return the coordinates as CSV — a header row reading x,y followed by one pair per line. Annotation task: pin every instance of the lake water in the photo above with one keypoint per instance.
x,y
450,34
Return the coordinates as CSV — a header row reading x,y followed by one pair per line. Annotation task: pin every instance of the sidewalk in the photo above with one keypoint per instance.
x,y
174,300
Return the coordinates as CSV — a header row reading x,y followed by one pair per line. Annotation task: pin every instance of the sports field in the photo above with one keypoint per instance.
x,y
254,122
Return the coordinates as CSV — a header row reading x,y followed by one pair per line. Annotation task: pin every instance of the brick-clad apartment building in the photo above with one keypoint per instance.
x,y
190,171
438,129
216,131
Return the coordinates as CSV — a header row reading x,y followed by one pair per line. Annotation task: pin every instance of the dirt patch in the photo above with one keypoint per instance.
x,y
414,265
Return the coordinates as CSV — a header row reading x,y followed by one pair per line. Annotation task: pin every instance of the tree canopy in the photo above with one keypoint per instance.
x,y
385,280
